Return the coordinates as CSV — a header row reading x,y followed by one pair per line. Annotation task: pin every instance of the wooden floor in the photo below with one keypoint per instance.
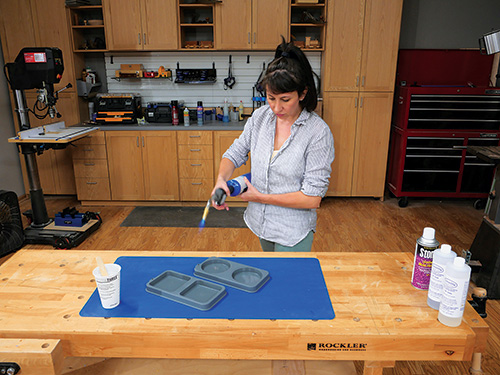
x,y
344,225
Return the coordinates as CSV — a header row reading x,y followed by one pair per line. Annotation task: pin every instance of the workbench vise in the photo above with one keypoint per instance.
x,y
70,217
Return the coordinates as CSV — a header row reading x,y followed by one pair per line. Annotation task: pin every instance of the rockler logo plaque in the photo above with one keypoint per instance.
x,y
337,346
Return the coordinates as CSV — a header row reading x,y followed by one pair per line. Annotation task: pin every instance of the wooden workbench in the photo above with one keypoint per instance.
x,y
380,318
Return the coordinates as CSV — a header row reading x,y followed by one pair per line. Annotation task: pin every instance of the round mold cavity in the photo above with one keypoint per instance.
x,y
215,266
247,276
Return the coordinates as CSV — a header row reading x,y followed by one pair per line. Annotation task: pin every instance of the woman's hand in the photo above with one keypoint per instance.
x,y
251,194
220,184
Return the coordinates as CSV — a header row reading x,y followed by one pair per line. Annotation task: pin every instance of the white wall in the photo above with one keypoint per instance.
x,y
163,90
10,167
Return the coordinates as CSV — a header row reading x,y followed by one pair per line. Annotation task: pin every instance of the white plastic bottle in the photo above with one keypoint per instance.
x,y
455,287
225,117
441,258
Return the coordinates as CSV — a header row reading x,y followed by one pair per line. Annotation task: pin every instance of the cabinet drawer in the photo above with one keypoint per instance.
x,y
89,152
201,137
196,189
96,138
196,169
195,152
91,168
93,189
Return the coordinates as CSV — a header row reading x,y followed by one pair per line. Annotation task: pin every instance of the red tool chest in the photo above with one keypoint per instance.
x,y
434,122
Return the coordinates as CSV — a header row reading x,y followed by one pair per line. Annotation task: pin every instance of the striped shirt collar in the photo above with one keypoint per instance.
x,y
301,120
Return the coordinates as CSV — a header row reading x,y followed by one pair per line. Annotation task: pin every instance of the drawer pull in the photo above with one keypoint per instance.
x,y
89,164
91,183
195,136
196,183
195,149
195,165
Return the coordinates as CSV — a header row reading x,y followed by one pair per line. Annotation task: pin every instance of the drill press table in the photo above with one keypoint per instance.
x,y
379,318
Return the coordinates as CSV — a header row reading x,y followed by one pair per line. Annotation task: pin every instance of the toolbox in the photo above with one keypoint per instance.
x,y
70,217
118,108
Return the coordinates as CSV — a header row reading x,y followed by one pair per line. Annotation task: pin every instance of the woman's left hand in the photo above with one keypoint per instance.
x,y
251,194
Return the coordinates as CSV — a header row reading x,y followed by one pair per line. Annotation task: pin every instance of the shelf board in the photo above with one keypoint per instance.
x,y
312,5
86,7
90,50
308,24
87,27
196,5
196,24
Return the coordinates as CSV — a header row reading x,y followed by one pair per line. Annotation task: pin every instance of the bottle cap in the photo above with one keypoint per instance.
x,y
445,248
200,103
429,233
459,262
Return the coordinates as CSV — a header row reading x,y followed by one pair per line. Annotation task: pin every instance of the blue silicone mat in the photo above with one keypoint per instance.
x,y
296,290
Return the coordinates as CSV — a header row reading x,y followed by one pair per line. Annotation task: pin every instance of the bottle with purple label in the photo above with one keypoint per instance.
x,y
422,264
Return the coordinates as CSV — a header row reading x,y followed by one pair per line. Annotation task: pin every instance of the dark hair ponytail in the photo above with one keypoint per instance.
x,y
291,71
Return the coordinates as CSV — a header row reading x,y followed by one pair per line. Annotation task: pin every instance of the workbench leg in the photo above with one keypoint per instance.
x,y
289,368
476,364
34,356
376,367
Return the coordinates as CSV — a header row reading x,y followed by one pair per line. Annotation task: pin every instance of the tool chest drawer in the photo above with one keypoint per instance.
x,y
93,188
189,137
196,189
196,169
96,138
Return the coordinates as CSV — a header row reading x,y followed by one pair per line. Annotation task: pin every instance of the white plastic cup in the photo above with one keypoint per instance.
x,y
108,286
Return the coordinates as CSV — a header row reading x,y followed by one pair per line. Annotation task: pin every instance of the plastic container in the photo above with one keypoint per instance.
x,y
440,259
186,116
236,186
455,287
422,264
225,114
199,113
240,111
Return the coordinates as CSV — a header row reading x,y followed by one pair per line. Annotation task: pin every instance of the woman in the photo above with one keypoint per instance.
x,y
292,152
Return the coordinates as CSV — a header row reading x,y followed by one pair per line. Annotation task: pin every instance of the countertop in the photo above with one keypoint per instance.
x,y
210,125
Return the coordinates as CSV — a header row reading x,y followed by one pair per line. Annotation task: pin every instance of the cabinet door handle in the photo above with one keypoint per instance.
x,y
363,81
91,183
356,102
195,149
254,37
249,41
142,141
361,103
139,38
195,136
137,141
89,164
144,38
357,81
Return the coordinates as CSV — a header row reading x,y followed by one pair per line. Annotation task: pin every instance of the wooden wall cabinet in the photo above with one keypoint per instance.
x,y
359,69
140,24
362,44
251,24
142,165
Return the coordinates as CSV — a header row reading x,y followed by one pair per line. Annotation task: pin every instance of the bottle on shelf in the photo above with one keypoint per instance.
x,y
199,113
186,116
175,112
240,111
225,115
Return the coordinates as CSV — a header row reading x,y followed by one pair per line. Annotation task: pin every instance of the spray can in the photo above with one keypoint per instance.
x,y
175,112
236,186
440,259
455,287
422,264
186,116
199,113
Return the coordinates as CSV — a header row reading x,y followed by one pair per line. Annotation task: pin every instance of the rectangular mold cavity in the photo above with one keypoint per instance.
x,y
236,275
188,290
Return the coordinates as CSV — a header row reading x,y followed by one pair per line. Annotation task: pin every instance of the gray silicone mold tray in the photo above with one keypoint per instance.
x,y
236,275
191,291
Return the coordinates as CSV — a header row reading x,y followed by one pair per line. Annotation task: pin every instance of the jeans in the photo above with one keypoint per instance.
x,y
304,245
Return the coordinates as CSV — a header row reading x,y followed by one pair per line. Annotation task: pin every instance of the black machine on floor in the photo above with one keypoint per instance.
x,y
38,68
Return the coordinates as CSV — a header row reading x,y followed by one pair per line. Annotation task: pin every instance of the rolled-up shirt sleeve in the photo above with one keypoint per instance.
x,y
319,158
